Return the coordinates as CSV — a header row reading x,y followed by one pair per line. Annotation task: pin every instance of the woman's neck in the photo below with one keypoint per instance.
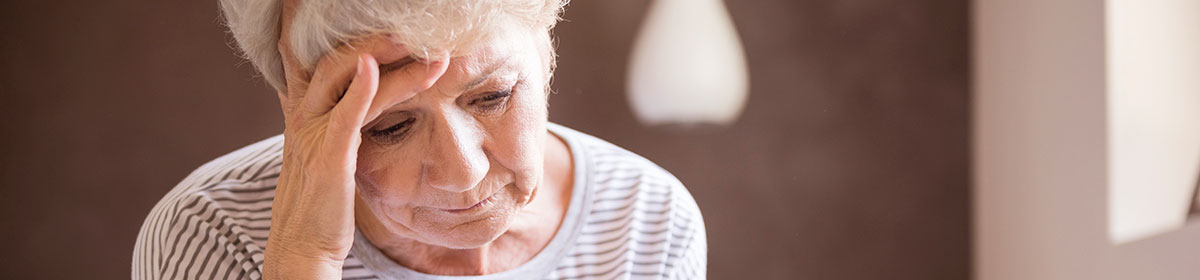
x,y
508,251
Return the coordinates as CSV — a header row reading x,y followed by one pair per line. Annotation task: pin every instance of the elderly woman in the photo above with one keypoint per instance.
x,y
417,146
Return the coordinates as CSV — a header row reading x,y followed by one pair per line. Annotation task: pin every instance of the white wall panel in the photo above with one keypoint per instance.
x,y
1154,114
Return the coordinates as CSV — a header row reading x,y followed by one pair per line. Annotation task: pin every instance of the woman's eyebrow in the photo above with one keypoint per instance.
x,y
487,74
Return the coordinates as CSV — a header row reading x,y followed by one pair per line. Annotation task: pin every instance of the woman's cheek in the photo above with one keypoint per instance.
x,y
526,136
365,175
381,176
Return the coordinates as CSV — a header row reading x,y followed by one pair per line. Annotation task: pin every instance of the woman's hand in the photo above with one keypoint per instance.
x,y
312,217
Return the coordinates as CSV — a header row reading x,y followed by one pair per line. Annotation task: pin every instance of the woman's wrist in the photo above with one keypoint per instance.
x,y
289,267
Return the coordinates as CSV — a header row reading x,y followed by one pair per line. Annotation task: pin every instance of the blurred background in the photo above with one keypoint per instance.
x,y
850,160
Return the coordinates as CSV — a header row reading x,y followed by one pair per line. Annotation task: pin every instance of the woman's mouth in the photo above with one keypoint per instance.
x,y
483,203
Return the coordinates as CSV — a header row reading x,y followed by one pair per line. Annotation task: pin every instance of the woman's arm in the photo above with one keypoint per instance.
x,y
312,221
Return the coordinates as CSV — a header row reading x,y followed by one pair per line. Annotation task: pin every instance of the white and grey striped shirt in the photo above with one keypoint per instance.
x,y
628,219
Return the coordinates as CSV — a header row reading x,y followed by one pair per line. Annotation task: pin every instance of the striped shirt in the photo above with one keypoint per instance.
x,y
627,219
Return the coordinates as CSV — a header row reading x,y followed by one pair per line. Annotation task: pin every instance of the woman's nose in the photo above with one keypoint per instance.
x,y
455,161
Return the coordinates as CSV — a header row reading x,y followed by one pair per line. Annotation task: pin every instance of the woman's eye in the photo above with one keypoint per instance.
x,y
393,132
491,101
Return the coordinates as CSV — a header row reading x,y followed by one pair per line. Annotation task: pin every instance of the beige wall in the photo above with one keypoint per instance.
x,y
1040,151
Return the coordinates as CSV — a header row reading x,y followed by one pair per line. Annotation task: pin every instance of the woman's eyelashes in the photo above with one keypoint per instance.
x,y
392,133
491,102
388,131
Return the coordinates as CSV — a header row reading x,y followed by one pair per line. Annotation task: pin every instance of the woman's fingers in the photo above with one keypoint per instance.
x,y
348,115
406,82
334,71
346,87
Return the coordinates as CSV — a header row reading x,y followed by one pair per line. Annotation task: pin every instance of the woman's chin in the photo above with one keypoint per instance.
x,y
473,234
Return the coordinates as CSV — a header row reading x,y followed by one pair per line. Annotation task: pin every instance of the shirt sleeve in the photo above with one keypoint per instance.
x,y
192,238
692,259
693,263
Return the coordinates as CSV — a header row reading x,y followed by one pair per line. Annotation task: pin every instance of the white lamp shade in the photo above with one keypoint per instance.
x,y
688,66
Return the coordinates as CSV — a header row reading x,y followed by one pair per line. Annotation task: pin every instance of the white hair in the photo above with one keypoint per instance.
x,y
423,26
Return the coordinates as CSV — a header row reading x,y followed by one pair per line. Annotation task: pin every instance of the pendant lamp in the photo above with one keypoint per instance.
x,y
687,66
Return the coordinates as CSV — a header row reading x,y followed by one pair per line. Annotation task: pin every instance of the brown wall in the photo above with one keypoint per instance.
x,y
849,163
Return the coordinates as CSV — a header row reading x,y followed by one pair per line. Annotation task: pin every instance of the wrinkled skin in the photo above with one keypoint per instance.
x,y
438,162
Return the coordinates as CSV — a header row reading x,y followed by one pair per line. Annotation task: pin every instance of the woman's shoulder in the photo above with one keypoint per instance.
x,y
242,178
214,223
611,168
635,211
601,157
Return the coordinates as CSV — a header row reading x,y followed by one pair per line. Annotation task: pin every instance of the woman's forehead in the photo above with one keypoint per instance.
x,y
502,51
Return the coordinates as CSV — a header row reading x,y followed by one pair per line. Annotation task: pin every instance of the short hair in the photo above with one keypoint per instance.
x,y
423,26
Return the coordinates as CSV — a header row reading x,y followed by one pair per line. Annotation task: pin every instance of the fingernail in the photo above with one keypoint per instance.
x,y
362,66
